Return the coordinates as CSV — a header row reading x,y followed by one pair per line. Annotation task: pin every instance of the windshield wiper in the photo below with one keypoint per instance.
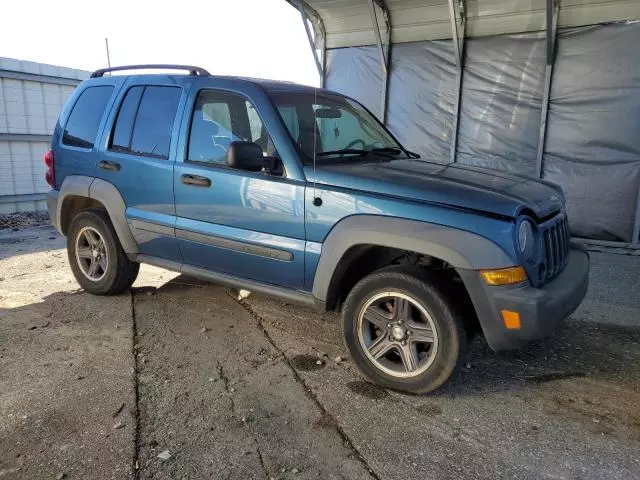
x,y
383,152
343,151
396,151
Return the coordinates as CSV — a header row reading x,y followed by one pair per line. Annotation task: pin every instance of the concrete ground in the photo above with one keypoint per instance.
x,y
178,379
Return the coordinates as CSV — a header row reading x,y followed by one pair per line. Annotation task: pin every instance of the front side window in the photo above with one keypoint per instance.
x,y
332,128
145,120
82,127
220,118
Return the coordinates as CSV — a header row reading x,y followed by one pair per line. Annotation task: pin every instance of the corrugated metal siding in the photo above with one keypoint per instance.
x,y
348,22
31,97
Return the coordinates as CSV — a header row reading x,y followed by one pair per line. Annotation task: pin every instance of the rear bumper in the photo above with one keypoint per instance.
x,y
52,207
540,309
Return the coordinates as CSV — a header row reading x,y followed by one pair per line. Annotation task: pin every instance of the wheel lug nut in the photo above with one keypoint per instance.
x,y
404,342
408,332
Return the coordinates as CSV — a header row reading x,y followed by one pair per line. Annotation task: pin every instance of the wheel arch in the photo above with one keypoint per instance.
x,y
353,238
79,193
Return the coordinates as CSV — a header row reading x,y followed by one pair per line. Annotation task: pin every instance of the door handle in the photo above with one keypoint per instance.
x,y
113,166
196,180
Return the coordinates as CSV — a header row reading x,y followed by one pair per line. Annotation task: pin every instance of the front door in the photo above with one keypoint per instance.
x,y
247,224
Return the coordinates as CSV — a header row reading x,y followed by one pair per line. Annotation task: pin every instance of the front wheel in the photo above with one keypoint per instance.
x,y
402,331
96,257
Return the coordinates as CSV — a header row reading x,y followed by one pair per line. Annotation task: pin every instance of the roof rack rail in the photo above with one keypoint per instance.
x,y
190,68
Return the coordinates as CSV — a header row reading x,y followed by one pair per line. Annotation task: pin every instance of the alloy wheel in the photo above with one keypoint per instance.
x,y
397,334
91,254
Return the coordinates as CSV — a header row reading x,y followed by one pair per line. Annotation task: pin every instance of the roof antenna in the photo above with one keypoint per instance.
x,y
317,201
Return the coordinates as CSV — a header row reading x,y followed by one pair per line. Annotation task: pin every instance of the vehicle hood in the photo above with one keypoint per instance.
x,y
462,186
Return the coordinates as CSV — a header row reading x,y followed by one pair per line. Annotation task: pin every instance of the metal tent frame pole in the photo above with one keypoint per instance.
x,y
458,30
384,50
553,9
635,237
319,43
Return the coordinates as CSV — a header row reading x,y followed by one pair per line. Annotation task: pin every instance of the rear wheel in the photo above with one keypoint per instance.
x,y
402,331
96,257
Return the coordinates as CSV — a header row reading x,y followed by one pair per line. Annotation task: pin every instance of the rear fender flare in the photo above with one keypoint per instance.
x,y
109,196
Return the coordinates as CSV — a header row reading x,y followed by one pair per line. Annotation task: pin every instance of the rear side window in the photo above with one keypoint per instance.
x,y
82,127
121,139
145,120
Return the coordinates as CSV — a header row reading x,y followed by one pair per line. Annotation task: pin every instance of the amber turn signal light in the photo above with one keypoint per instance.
x,y
504,276
511,319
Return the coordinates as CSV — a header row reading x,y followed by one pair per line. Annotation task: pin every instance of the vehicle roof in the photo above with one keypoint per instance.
x,y
269,85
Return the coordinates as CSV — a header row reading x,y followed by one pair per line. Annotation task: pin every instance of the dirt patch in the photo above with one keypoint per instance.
x,y
429,409
307,363
368,390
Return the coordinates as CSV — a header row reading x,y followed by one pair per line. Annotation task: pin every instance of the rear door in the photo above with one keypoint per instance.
x,y
139,159
248,224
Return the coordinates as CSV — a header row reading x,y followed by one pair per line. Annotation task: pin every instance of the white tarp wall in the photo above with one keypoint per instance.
x,y
592,146
31,97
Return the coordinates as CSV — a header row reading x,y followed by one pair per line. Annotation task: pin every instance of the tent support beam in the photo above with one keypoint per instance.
x,y
320,33
457,16
383,48
635,238
553,8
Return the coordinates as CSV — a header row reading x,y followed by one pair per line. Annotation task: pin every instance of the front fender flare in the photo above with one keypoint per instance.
x,y
459,248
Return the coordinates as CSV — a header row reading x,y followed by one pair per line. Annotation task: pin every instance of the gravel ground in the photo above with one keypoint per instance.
x,y
21,220
180,380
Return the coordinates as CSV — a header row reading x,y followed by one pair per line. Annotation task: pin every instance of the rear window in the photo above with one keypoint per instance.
x,y
82,127
145,120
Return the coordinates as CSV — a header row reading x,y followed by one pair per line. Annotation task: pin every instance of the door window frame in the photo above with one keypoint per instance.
x,y
107,131
188,120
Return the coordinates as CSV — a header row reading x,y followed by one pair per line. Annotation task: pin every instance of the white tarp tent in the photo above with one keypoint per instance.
x,y
539,87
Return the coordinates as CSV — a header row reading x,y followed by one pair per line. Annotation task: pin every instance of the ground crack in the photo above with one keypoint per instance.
x,y
136,369
345,438
225,384
259,452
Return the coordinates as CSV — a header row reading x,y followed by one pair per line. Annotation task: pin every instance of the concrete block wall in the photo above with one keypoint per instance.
x,y
31,97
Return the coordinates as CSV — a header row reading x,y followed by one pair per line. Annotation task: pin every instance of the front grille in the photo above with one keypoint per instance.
x,y
556,237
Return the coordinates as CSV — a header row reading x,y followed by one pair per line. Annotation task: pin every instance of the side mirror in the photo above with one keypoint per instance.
x,y
246,156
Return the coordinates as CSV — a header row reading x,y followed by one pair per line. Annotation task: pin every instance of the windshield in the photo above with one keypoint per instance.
x,y
335,128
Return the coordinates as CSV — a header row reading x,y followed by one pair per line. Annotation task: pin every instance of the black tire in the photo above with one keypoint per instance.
x,y
120,272
424,290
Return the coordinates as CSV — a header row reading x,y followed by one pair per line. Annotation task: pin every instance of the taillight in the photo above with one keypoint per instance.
x,y
50,175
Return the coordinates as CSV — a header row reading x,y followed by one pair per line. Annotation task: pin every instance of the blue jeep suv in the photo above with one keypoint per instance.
x,y
301,193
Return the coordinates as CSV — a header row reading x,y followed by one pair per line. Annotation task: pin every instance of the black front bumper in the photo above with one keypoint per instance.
x,y
540,309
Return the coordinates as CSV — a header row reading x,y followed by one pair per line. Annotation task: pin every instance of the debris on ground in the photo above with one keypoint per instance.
x,y
338,359
164,455
27,219
118,425
117,412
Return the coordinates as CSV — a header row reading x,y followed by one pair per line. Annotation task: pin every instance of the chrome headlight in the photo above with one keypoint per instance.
x,y
525,239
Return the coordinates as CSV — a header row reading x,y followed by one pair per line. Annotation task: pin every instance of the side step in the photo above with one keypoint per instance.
x,y
294,296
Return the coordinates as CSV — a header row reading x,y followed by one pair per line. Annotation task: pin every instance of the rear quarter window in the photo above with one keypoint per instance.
x,y
81,129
